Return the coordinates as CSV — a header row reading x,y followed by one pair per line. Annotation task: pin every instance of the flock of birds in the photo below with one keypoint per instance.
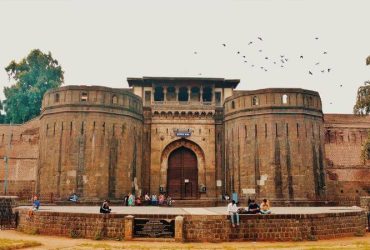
x,y
280,61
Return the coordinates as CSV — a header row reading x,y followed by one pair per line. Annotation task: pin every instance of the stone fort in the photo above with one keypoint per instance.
x,y
192,138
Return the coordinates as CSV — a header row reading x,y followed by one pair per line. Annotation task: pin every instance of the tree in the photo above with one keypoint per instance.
x,y
2,117
33,76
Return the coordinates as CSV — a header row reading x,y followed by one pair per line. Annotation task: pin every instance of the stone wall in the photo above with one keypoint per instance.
x,y
7,213
90,143
20,144
201,228
274,144
348,173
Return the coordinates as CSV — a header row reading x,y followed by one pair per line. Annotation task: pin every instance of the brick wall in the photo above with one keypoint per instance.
x,y
197,228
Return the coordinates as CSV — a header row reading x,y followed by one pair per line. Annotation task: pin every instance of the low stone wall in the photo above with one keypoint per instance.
x,y
201,228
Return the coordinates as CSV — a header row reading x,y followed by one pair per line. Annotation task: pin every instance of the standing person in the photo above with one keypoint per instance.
x,y
265,207
232,209
104,209
125,200
36,203
131,200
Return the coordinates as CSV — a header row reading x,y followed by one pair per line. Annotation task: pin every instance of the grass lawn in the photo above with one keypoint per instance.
x,y
7,244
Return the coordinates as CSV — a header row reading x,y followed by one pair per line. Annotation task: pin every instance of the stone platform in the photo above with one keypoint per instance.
x,y
209,224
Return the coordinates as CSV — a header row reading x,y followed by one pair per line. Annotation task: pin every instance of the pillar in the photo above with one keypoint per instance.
x,y
179,229
128,227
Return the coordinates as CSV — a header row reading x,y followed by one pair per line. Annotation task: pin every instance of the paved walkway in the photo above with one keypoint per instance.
x,y
190,211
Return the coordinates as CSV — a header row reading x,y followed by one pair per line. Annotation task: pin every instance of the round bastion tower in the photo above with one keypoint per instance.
x,y
274,144
90,143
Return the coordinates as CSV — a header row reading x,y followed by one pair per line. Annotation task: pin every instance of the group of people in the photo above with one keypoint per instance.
x,y
252,208
149,200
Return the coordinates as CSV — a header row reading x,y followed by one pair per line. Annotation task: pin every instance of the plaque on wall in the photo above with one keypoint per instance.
x,y
154,228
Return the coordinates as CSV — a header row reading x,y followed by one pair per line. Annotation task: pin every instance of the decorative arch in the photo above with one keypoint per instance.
x,y
198,151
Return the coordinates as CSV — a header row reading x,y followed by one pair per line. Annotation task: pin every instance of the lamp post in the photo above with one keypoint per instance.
x,y
6,175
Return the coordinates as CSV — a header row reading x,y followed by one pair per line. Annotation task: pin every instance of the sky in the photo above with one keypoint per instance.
x,y
104,42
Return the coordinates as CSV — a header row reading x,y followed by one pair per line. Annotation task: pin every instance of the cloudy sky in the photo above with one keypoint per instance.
x,y
104,42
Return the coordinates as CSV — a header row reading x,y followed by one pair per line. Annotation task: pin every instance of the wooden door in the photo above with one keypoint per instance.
x,y
182,174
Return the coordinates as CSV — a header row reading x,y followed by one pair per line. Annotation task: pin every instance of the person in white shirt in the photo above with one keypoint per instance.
x,y
232,209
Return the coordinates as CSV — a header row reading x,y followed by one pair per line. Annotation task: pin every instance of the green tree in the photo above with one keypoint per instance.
x,y
33,76
2,116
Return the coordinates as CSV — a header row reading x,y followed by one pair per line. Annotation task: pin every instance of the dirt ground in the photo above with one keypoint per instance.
x,y
52,242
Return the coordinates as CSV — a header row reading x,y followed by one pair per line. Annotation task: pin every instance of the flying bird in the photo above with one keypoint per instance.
x,y
317,63
195,52
286,59
265,70
266,58
245,61
316,38
301,57
329,70
250,43
309,72
274,62
252,65
282,66
322,71
260,50
282,61
341,85
325,52
260,38
238,52
224,45
331,103
243,56
281,56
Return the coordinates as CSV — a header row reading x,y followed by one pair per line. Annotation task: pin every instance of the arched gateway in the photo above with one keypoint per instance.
x,y
182,174
183,169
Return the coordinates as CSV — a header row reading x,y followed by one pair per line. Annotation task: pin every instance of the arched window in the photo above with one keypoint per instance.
x,y
158,94
114,99
183,94
284,99
171,94
195,94
56,97
84,97
255,101
207,94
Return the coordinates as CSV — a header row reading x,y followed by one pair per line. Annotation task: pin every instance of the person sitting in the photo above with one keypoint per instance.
x,y
104,209
147,199
232,209
265,207
73,197
154,200
253,208
125,200
226,197
161,199
169,201
138,201
36,203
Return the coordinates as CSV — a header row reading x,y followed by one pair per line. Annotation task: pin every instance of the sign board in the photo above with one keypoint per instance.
x,y
183,134
219,183
154,228
186,180
249,191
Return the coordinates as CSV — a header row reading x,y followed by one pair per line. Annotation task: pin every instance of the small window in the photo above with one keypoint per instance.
x,y
148,96
84,97
218,98
284,99
56,97
114,99
233,105
255,101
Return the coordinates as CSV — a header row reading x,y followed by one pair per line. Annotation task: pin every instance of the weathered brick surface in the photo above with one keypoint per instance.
x,y
210,228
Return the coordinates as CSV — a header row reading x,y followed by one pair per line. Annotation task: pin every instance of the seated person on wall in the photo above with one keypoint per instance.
x,y
226,197
154,200
232,209
138,201
169,201
104,209
265,207
253,208
161,199
147,199
73,197
125,200
36,203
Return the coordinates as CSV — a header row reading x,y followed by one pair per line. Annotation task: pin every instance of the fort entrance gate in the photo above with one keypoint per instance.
x,y
182,176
